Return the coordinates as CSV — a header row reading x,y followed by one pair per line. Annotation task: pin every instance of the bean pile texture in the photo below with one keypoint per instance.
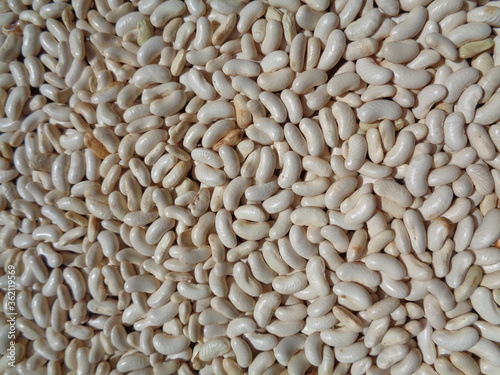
x,y
250,187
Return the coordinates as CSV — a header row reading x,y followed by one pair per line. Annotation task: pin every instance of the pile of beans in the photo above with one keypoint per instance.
x,y
261,187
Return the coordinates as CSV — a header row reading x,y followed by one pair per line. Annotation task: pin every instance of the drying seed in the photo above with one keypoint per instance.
x,y
95,145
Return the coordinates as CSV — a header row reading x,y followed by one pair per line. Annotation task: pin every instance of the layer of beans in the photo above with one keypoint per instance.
x,y
250,187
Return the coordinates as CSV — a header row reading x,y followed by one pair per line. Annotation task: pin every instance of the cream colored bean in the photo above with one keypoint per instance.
x,y
333,51
411,25
372,73
442,45
486,233
487,350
